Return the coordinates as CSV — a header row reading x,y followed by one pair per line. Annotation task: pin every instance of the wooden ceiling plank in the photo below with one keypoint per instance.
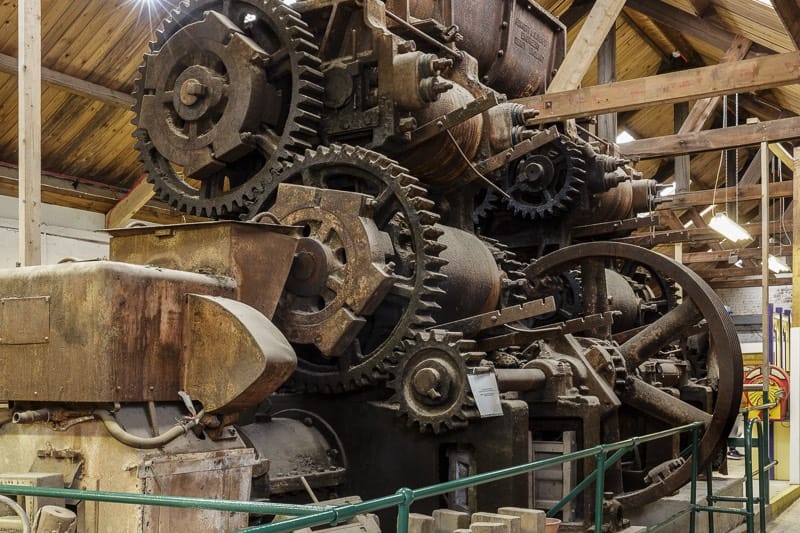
x,y
701,7
691,25
74,85
789,13
710,140
726,78
587,43
645,37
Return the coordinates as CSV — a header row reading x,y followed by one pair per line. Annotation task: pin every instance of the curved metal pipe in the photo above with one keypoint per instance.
x,y
135,441
26,523
29,417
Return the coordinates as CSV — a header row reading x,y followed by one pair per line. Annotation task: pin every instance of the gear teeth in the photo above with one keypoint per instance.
x,y
416,233
415,191
298,133
443,349
428,217
558,203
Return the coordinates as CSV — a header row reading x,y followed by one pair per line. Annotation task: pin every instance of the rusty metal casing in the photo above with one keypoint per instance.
x,y
103,331
518,44
257,256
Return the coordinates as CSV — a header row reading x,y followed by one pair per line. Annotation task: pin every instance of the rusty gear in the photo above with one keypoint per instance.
x,y
229,90
339,272
546,182
430,381
400,211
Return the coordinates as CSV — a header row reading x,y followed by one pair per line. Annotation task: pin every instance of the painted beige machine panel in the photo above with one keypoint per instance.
x,y
100,331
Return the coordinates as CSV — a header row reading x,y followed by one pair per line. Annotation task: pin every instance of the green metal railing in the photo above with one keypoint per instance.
x,y
763,477
305,516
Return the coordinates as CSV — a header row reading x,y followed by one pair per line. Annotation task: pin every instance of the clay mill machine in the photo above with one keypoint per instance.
x,y
387,223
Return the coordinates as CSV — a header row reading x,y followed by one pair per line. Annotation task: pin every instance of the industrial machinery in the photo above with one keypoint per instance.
x,y
390,231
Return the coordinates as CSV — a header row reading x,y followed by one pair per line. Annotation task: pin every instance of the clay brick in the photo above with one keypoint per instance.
x,y
531,520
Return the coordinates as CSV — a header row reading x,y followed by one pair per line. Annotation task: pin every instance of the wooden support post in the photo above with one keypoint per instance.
x,y
794,387
30,132
796,241
683,175
607,73
766,319
587,43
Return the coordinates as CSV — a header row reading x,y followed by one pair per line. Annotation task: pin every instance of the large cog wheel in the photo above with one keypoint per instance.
x,y
339,273
430,381
546,182
400,209
229,90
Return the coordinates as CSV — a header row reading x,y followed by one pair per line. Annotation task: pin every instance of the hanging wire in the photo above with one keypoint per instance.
x,y
736,159
725,152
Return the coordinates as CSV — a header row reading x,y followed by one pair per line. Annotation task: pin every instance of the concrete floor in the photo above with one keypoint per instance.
x,y
783,514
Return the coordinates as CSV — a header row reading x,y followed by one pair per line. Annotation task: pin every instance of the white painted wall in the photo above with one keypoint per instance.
x,y
66,232
747,300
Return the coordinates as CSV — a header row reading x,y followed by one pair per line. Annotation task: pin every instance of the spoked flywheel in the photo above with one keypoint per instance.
x,y
664,386
229,90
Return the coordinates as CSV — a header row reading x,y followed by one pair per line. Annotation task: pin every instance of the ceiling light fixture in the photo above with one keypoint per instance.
x,y
777,265
725,226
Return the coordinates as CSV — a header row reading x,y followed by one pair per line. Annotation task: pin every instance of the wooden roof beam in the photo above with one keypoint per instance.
x,y
66,193
710,140
724,255
74,85
686,200
789,13
754,282
598,23
726,78
703,109
124,210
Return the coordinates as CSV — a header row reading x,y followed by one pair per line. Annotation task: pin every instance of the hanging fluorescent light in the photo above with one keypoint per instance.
x,y
724,225
777,264
668,190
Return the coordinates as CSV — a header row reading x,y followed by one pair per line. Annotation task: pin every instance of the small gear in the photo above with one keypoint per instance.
x,y
546,182
430,381
229,90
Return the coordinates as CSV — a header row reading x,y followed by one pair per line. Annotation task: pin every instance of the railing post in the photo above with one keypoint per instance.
x,y
763,477
599,487
748,470
404,508
710,495
693,496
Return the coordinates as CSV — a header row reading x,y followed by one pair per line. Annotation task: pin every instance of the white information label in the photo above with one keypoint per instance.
x,y
486,394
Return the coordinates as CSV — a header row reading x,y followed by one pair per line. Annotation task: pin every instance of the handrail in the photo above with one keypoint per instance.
x,y
763,482
305,516
235,506
404,497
